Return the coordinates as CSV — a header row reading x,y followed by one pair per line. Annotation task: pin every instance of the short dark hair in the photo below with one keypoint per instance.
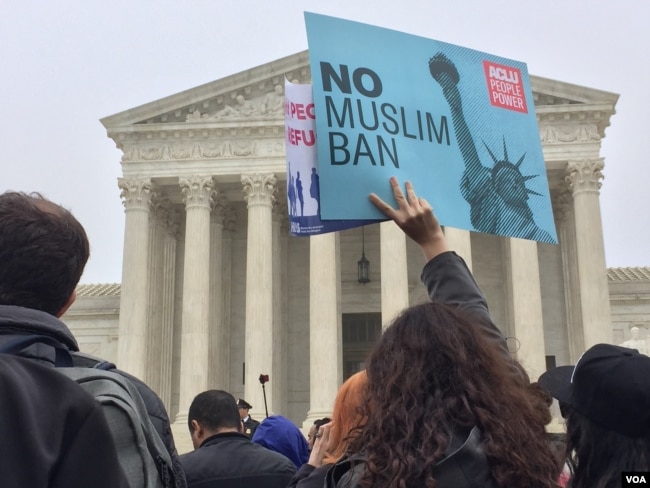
x,y
319,422
214,409
43,251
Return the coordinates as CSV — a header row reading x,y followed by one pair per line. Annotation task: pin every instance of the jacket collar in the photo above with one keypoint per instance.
x,y
224,436
16,320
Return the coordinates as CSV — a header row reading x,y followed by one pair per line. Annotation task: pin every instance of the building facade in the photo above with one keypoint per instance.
x,y
215,292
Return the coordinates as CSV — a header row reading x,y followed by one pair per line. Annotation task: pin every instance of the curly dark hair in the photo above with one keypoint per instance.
x,y
433,372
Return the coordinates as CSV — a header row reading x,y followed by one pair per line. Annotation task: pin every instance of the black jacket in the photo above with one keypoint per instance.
x,y
16,321
250,426
232,460
309,476
54,434
465,465
449,280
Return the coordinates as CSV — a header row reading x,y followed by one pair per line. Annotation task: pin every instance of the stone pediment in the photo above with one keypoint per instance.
x,y
569,113
254,98
241,116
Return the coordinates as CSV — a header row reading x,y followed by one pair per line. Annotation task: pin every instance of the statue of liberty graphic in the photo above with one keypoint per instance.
x,y
497,195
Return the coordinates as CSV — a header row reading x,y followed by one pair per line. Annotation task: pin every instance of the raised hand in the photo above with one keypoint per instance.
x,y
415,217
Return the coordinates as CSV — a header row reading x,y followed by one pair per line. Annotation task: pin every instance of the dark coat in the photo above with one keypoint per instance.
x,y
54,434
16,321
465,465
250,426
232,460
309,476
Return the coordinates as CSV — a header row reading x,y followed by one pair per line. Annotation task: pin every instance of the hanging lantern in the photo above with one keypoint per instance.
x,y
363,265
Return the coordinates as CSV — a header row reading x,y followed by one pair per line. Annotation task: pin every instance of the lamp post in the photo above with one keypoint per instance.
x,y
363,265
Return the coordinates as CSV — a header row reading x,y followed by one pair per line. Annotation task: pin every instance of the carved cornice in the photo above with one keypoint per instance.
x,y
588,121
136,193
585,175
202,147
259,189
567,133
198,191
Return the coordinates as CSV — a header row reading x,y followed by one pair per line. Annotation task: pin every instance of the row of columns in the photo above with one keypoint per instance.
x,y
147,298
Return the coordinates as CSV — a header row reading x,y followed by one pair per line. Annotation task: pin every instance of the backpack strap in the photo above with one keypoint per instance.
x,y
62,358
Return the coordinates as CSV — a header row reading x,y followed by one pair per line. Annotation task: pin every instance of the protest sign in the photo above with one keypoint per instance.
x,y
303,187
459,123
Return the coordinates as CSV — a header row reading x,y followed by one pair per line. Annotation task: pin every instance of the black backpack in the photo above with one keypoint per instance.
x,y
141,452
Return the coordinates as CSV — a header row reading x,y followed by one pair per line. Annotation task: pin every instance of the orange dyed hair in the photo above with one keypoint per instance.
x,y
347,416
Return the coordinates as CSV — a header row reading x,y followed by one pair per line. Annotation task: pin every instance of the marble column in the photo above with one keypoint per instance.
x,y
219,333
198,195
584,177
280,233
154,315
162,271
325,327
259,192
526,319
394,275
565,224
460,241
229,222
170,240
131,349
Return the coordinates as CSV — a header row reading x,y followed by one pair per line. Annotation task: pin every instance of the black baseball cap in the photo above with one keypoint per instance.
x,y
609,385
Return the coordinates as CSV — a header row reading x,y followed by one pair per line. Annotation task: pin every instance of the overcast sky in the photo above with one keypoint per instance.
x,y
68,63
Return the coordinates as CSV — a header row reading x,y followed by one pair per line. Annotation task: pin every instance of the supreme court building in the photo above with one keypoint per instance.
x,y
215,292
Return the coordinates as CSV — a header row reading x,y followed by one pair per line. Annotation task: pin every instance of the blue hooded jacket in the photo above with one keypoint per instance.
x,y
281,435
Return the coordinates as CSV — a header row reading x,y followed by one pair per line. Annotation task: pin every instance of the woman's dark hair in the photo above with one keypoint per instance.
x,y
434,371
596,456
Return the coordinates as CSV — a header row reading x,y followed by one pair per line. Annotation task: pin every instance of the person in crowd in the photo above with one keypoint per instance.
x,y
249,423
331,439
605,400
223,456
54,434
446,404
280,434
313,430
43,251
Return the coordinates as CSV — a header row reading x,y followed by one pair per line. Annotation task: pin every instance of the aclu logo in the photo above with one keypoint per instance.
x,y
635,478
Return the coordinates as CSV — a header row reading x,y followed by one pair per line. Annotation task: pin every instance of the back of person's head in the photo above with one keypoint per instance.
x,y
320,422
347,415
281,435
436,371
43,251
606,402
214,410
